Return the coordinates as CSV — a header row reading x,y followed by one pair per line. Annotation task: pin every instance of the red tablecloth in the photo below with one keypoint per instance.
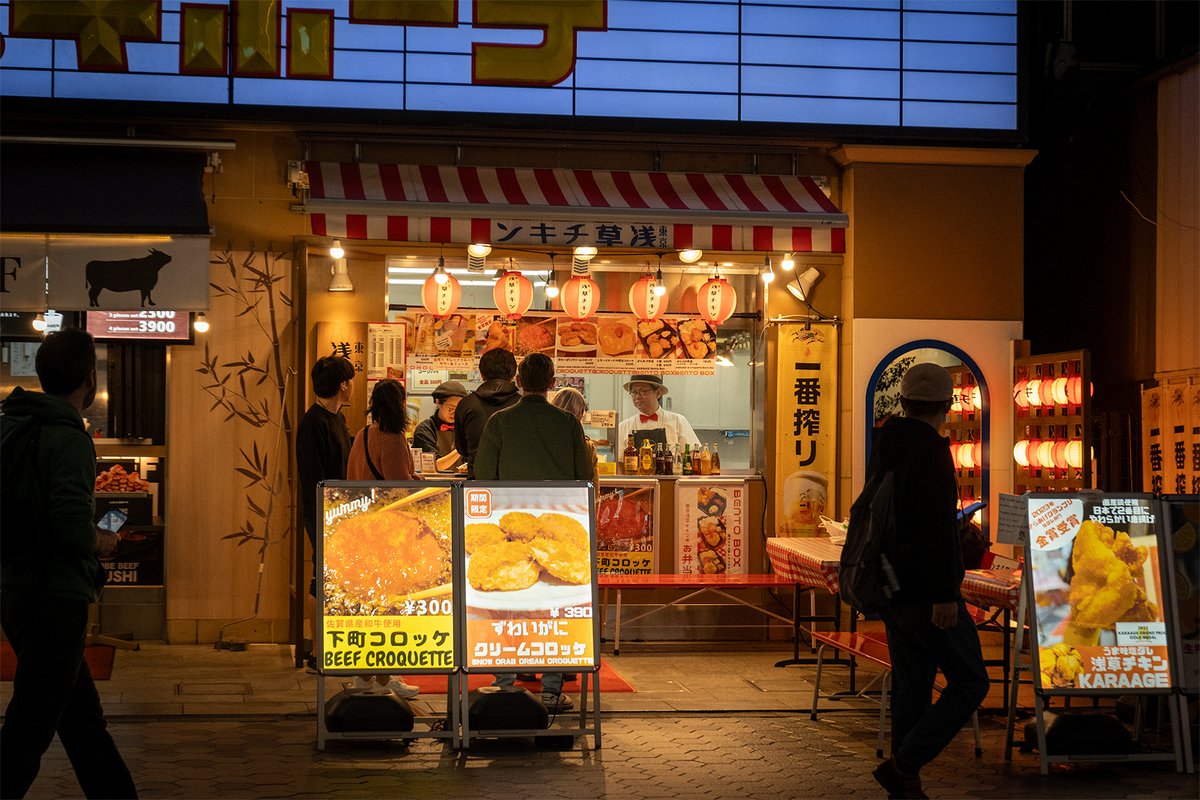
x,y
992,588
808,561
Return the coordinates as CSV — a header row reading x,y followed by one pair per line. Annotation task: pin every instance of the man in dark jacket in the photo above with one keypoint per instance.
x,y
51,572
497,367
534,441
323,440
928,627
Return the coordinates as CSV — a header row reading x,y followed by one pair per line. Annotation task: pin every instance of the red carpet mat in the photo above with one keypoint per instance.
x,y
610,681
99,658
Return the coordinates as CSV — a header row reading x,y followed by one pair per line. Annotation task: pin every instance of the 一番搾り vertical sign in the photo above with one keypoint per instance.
x,y
386,599
806,430
530,577
1099,597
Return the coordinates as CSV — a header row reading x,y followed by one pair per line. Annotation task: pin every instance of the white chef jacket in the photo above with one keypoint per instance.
x,y
678,429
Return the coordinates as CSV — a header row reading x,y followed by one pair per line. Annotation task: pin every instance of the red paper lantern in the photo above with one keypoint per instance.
x,y
643,302
1075,390
1021,452
977,453
513,294
1033,391
441,299
1019,396
1046,389
716,300
1059,391
1058,454
1074,453
580,297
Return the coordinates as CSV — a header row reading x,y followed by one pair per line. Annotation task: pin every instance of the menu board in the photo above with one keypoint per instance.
x,y
1181,517
385,351
710,526
146,326
386,599
603,344
1099,595
627,527
530,583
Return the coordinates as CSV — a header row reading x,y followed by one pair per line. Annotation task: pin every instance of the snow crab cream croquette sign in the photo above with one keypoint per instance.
x,y
710,527
1098,594
387,600
530,577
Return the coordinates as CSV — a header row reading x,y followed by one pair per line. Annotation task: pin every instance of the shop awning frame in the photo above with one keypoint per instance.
x,y
425,203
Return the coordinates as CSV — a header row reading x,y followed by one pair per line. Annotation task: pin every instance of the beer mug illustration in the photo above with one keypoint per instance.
x,y
804,496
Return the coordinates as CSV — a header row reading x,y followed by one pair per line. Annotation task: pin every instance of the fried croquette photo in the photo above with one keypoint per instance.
x,y
519,526
482,533
563,528
505,566
562,559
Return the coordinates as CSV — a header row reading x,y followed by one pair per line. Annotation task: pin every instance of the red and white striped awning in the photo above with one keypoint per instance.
x,y
570,207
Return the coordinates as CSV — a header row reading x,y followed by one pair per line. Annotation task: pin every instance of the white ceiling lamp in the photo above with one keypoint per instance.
x,y
476,253
439,272
335,249
200,324
340,270
788,263
768,275
802,286
581,261
691,255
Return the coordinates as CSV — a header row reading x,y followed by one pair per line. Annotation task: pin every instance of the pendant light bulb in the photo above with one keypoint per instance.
x,y
769,275
659,287
439,274
789,263
39,323
200,324
335,249
551,286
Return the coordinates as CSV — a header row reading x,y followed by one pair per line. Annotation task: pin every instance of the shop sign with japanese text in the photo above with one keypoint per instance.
x,y
386,589
1098,593
710,526
530,577
627,540
806,427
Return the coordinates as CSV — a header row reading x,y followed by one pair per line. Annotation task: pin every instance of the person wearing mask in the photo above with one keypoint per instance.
x,y
381,452
436,434
928,627
534,441
652,421
323,441
497,367
51,572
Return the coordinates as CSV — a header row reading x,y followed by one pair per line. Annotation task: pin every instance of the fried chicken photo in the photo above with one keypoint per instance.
x,y
1103,587
504,567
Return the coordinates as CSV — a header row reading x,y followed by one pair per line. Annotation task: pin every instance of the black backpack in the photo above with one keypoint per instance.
x,y
865,576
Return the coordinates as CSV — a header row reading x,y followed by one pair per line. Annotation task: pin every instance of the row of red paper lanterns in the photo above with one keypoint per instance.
x,y
1039,392
1049,453
579,297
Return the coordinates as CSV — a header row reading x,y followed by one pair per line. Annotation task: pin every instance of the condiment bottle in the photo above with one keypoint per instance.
x,y
677,461
646,456
716,460
687,460
629,464
705,461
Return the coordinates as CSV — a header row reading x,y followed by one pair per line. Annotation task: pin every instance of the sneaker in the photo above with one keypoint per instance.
x,y
896,783
362,683
557,702
571,676
402,689
528,677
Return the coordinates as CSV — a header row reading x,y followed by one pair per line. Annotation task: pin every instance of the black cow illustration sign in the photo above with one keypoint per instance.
x,y
108,273
127,275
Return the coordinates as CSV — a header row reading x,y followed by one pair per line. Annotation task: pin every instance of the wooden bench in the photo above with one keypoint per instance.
x,y
871,646
698,584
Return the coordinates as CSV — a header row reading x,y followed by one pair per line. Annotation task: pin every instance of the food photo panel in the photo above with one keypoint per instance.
x,y
530,577
386,594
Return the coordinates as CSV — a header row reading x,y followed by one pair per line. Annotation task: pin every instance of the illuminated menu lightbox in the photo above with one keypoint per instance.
x,y
159,326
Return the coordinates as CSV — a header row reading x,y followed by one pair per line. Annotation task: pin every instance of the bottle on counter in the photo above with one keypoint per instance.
x,y
716,460
705,461
658,458
677,461
646,458
687,460
629,463
668,461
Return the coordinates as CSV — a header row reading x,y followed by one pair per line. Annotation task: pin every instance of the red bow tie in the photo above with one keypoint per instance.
x,y
446,426
649,417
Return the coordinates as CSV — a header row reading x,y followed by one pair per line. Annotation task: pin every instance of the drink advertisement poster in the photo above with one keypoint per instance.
x,y
530,586
1098,593
1181,515
386,594
627,540
710,526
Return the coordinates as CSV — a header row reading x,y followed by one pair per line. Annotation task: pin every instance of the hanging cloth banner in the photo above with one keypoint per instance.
x,y
124,273
806,432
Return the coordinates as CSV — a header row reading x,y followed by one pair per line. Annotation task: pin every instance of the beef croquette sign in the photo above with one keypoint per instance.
x,y
387,600
530,578
1098,594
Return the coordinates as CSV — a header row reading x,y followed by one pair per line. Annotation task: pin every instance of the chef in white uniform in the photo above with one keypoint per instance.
x,y
652,421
